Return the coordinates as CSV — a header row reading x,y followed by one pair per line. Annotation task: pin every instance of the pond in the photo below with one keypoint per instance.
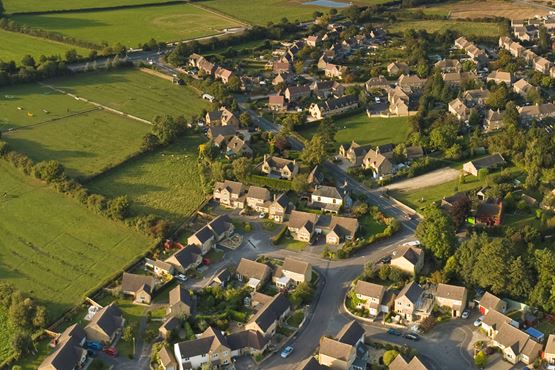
x,y
328,3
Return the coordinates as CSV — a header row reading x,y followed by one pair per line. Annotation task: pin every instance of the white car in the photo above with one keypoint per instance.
x,y
377,100
414,243
181,277
465,314
478,321
262,215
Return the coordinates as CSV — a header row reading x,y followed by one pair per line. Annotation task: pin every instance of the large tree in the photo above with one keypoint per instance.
x,y
437,233
314,151
491,270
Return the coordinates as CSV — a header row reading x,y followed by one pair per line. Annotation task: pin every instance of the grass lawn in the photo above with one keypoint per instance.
x,y
133,26
16,45
364,130
7,336
517,220
420,198
293,245
296,318
487,29
22,6
263,11
55,249
166,182
134,92
545,326
369,226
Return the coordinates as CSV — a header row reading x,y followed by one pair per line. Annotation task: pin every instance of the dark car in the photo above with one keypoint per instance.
x,y
394,332
385,260
412,336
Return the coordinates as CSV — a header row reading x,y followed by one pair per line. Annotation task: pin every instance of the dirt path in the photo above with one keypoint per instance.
x,y
433,178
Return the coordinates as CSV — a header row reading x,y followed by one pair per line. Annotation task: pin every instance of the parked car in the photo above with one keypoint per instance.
x,y
262,215
412,336
478,321
93,345
414,243
394,332
181,277
206,261
465,314
377,99
110,351
385,260
286,351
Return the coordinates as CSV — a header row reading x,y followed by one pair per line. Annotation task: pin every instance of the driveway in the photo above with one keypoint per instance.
x,y
433,178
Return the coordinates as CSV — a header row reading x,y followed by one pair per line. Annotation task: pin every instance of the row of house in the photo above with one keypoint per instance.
x,y
539,64
209,68
478,55
304,226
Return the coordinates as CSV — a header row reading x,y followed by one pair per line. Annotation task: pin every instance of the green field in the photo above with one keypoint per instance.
x,y
133,26
16,45
6,335
55,249
487,29
165,182
83,138
263,11
135,92
22,6
364,130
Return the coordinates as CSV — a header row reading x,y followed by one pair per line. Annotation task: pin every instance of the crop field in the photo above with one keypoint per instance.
x,y
85,139
16,45
135,25
364,130
487,29
165,182
481,9
23,6
135,92
57,259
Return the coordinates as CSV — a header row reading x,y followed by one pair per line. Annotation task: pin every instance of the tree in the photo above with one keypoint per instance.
x,y
437,233
72,56
481,360
491,268
242,168
150,142
167,128
1,9
21,343
299,184
129,331
28,61
302,294
389,356
39,319
519,284
245,119
118,208
49,170
314,151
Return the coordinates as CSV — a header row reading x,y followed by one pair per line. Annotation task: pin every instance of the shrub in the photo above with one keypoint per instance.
x,y
277,238
389,356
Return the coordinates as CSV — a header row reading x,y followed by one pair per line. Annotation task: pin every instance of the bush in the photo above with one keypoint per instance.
x,y
277,238
389,356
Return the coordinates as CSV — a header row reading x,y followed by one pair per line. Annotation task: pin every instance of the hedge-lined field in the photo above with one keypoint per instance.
x,y
483,29
52,247
16,45
133,26
23,6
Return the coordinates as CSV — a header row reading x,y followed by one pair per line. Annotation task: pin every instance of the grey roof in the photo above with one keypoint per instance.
x,y
271,312
369,289
328,192
252,269
226,131
65,357
134,282
298,219
343,226
495,319
186,256
313,364
412,291
347,100
208,341
203,235
282,200
488,161
351,333
453,292
108,319
171,323
219,225
385,148
234,187
518,341
247,339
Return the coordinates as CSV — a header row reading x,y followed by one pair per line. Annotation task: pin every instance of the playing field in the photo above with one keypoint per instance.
x,y
54,248
14,46
164,183
135,92
22,6
85,139
364,130
488,29
481,9
135,26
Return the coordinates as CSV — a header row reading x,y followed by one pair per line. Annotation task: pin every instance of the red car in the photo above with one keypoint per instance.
x,y
111,351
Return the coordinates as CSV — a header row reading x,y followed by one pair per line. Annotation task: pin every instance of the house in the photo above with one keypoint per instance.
x,y
461,43
255,274
492,322
247,342
493,121
517,345
181,302
377,162
69,352
187,258
221,278
140,287
279,167
325,89
169,326
489,212
407,300
210,347
277,103
414,152
344,352
226,132
409,259
237,147
267,319
295,93
282,66
313,41
278,208
282,79
205,66
475,97
448,65
354,153
293,272
411,82
337,229
401,364
371,297
377,83
397,68
302,225
500,77
459,109
167,359
335,71
333,106
258,198
516,49
222,117
536,112
453,297
327,198
505,42
206,238
315,178
549,352
529,56
230,194
457,78
399,101
522,87
489,162
542,65
223,74
105,325
491,302
162,268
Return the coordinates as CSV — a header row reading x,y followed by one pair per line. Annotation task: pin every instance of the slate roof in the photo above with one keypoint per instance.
x,y
135,282
328,192
247,339
180,295
350,333
271,312
186,256
208,341
489,161
410,253
412,291
108,319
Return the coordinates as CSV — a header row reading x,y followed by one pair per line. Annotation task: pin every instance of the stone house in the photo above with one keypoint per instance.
x,y
453,297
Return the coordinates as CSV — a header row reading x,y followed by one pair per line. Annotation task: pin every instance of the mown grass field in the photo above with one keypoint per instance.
x,y
54,248
165,183
481,9
487,29
16,45
364,130
134,26
23,6
135,92
83,138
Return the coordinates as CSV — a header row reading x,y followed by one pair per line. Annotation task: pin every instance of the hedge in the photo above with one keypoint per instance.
x,y
274,184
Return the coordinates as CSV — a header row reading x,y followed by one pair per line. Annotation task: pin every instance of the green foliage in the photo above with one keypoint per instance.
x,y
437,233
274,184
481,360
277,238
314,151
389,356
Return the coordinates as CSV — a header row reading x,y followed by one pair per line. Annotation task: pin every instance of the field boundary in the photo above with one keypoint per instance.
x,y
51,120
221,14
102,8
